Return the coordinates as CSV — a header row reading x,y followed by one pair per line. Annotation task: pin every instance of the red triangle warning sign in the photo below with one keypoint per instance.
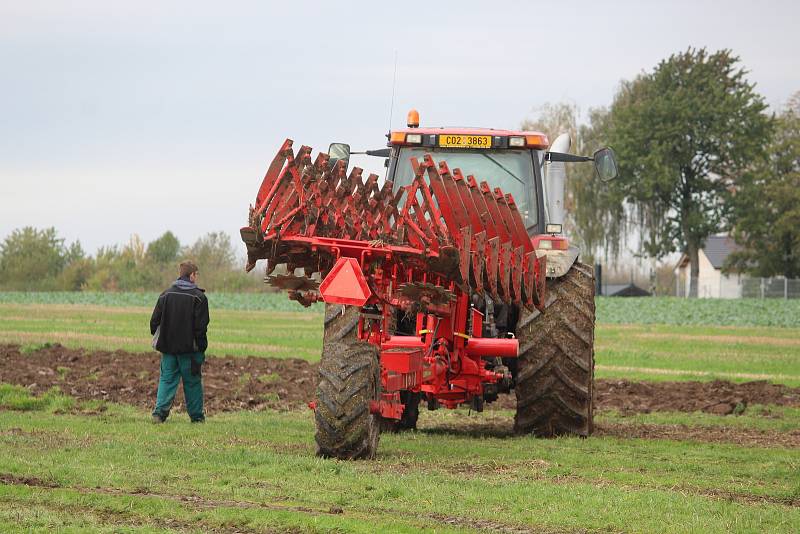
x,y
345,284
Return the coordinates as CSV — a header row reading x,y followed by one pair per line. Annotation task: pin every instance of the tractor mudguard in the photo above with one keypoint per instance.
x,y
559,262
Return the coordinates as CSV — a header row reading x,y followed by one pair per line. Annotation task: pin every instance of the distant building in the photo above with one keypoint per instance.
x,y
711,282
624,290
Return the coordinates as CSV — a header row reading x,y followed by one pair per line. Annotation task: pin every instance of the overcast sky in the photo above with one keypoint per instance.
x,y
140,117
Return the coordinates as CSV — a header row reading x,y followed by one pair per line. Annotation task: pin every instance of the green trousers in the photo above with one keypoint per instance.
x,y
173,368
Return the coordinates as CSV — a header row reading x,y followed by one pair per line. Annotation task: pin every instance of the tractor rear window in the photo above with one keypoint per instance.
x,y
510,170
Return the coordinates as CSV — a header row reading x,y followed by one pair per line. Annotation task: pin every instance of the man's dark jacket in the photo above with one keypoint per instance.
x,y
182,313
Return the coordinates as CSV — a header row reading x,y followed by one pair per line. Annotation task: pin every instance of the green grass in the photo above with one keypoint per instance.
x,y
239,333
61,469
649,352
667,352
257,471
14,397
766,418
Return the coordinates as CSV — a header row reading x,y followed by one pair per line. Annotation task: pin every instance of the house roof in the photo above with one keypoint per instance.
x,y
717,248
624,290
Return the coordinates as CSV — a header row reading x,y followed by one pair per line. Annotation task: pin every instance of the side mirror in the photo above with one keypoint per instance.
x,y
339,151
605,163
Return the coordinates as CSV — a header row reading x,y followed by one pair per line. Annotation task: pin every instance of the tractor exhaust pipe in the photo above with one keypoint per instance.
x,y
555,174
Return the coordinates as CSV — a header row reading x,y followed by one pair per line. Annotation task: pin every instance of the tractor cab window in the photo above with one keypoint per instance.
x,y
510,170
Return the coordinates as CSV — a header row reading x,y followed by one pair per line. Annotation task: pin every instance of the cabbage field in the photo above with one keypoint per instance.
x,y
716,312
614,310
224,301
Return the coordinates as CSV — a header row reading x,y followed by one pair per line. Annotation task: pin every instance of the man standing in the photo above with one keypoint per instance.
x,y
179,324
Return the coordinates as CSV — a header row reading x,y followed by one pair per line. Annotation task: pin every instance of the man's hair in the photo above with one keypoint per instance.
x,y
187,268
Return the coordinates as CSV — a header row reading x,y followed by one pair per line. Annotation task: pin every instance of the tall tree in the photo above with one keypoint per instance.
x,y
594,215
216,259
212,252
77,269
165,249
766,213
683,134
31,259
554,120
599,210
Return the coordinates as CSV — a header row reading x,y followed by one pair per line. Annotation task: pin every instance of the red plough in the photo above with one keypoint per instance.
x,y
424,248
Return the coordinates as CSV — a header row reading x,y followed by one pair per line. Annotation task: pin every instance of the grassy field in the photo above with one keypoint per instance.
x,y
239,333
70,465
257,472
669,352
638,351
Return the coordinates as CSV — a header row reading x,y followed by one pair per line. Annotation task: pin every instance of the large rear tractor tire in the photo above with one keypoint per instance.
x,y
555,377
349,378
341,322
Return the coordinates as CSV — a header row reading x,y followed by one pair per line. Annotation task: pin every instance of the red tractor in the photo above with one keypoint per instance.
x,y
449,283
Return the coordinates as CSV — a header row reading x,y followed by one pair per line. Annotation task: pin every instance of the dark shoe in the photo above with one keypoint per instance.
x,y
198,420
157,419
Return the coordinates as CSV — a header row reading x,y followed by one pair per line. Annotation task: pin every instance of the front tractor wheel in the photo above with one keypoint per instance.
x,y
555,378
349,379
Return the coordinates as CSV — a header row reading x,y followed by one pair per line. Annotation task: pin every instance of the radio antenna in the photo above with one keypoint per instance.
x,y
394,83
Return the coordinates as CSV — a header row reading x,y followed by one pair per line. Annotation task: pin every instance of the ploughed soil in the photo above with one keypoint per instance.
x,y
236,383
229,383
717,397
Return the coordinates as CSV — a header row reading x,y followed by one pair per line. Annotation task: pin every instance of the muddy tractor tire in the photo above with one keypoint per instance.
x,y
349,379
341,322
555,375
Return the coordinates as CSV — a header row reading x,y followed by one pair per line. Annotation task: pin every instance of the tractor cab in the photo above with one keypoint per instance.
x,y
523,164
510,160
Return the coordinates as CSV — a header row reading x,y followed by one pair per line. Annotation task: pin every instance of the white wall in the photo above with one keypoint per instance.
x,y
730,286
708,279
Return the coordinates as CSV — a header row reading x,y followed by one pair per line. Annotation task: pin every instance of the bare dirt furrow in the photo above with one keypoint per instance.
x,y
252,383
749,437
230,383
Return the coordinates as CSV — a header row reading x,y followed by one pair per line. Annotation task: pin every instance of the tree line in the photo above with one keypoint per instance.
x,y
699,154
34,259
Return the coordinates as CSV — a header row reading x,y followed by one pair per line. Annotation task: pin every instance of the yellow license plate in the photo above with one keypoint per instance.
x,y
465,141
